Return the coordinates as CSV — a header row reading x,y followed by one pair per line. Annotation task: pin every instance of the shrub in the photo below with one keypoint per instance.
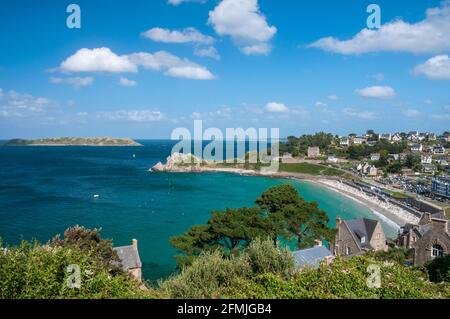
x,y
439,269
263,257
206,276
342,279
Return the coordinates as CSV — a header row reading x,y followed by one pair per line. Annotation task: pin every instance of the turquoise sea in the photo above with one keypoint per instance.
x,y
44,190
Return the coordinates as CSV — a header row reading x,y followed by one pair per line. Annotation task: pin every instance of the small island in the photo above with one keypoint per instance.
x,y
74,141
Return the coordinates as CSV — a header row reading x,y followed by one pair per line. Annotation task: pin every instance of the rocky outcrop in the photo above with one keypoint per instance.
x,y
178,162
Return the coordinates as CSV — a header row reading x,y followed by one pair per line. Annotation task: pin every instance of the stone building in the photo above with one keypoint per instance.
x,y
429,239
313,151
130,260
357,236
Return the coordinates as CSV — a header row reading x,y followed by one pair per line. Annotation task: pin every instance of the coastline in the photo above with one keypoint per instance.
x,y
392,215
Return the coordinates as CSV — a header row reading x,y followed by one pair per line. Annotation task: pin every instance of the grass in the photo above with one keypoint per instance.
x,y
398,195
310,169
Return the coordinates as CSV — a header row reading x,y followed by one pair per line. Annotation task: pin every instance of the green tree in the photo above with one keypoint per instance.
x,y
281,213
229,230
302,220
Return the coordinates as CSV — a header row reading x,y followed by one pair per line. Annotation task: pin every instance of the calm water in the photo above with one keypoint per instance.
x,y
44,190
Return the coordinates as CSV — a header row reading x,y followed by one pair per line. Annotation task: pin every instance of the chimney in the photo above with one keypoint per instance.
x,y
439,225
135,244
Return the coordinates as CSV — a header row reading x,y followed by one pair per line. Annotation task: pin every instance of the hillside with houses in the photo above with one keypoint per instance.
x,y
413,163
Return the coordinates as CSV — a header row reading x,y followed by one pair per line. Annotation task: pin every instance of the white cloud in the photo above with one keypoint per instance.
x,y
190,72
378,76
104,60
126,82
133,115
431,35
262,48
177,36
377,92
364,115
333,97
14,104
410,112
1,93
244,23
178,2
172,65
210,52
321,106
222,113
428,102
435,68
76,82
274,107
97,60
441,117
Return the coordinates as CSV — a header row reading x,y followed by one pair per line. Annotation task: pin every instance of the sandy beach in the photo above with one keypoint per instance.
x,y
390,213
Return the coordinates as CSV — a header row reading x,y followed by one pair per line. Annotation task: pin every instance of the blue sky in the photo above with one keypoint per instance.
x,y
142,68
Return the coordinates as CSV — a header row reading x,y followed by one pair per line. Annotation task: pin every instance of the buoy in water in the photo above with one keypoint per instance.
x,y
96,196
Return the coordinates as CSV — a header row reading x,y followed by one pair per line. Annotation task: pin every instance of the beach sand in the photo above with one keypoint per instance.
x,y
394,215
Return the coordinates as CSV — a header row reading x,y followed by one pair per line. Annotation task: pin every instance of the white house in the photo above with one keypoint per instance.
x,y
358,140
344,141
332,159
375,156
386,136
426,159
416,147
438,149
396,137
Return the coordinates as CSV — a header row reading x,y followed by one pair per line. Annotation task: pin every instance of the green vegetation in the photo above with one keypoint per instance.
x,y
280,213
439,269
212,273
74,141
262,270
398,195
31,270
310,169
342,279
265,271
299,145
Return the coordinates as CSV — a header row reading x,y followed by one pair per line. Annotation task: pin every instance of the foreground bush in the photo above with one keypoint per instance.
x,y
265,271
342,279
211,273
31,270
261,271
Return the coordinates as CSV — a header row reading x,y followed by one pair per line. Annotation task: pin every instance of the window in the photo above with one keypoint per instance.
x,y
348,251
378,236
437,251
363,240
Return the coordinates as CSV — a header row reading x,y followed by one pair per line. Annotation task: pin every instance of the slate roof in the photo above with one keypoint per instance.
x,y
311,256
362,227
129,257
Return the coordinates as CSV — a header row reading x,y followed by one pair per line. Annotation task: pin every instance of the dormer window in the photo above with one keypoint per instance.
x,y
363,240
437,251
